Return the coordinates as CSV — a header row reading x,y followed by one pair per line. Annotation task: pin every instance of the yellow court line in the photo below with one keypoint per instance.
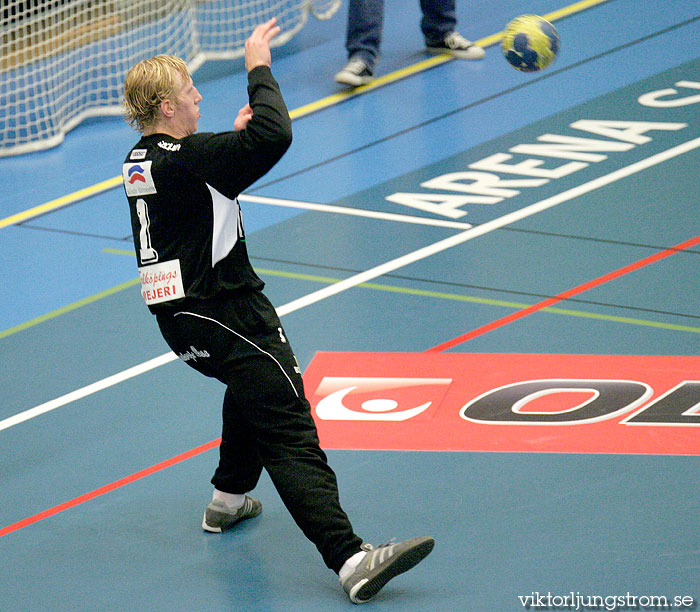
x,y
63,201
302,111
66,309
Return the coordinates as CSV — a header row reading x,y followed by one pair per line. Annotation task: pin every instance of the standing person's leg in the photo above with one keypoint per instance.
x,y
364,30
363,41
439,19
439,25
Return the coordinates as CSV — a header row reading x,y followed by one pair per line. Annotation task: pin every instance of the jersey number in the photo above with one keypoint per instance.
x,y
147,253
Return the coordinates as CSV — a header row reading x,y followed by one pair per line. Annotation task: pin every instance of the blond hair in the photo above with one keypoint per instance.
x,y
147,84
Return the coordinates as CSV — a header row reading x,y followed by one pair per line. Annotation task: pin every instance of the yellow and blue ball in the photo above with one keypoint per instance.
x,y
530,43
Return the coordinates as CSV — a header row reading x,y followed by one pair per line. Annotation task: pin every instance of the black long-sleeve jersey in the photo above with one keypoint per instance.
x,y
186,220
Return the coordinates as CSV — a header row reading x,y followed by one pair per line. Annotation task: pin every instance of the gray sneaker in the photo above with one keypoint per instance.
x,y
356,72
383,563
455,44
218,517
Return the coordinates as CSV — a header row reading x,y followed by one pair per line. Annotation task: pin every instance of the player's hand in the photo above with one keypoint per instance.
x,y
257,47
244,116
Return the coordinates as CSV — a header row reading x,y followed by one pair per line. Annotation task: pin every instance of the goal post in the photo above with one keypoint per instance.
x,y
63,61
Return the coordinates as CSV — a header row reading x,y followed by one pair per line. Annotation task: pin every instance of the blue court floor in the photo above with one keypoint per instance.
x,y
533,228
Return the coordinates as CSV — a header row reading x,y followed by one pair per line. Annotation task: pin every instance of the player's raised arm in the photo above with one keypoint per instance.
x,y
257,47
262,128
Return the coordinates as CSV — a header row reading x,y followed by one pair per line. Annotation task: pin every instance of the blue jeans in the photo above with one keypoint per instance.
x,y
366,18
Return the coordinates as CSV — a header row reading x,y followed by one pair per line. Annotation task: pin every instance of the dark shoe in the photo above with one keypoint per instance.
x,y
218,517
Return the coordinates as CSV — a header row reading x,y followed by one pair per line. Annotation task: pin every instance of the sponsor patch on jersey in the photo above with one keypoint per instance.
x,y
161,282
193,354
137,179
169,146
138,154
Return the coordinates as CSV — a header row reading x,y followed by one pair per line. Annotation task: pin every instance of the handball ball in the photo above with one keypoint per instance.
x,y
530,43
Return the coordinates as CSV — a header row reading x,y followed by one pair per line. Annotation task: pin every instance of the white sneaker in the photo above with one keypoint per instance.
x,y
356,72
455,44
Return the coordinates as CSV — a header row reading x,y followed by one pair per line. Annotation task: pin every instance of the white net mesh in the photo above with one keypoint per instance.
x,y
62,61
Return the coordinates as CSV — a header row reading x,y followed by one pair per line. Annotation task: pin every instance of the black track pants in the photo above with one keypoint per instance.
x,y
237,338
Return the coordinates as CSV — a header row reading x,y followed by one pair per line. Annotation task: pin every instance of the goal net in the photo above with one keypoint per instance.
x,y
62,61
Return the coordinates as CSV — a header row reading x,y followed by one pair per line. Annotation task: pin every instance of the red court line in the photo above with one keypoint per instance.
x,y
441,347
110,487
520,314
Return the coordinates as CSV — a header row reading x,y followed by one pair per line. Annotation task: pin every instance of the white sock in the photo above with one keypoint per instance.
x,y
350,565
231,500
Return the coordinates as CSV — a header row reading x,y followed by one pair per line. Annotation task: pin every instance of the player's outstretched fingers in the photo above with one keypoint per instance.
x,y
269,29
257,47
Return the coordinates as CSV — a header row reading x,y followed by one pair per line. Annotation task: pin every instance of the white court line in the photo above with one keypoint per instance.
x,y
88,390
489,226
380,270
356,212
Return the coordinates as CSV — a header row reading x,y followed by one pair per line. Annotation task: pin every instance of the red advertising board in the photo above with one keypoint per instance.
x,y
506,402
